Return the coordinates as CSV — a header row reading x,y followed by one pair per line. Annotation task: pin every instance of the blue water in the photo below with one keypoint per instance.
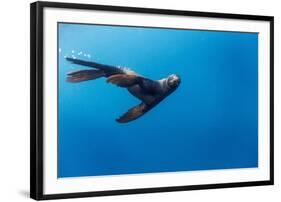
x,y
209,122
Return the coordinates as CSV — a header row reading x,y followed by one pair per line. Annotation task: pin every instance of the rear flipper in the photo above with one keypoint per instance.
x,y
106,68
84,75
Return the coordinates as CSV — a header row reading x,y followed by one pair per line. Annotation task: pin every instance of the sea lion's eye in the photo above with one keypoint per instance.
x,y
173,81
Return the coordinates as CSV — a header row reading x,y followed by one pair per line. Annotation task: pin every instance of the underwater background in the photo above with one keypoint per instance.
x,y
209,122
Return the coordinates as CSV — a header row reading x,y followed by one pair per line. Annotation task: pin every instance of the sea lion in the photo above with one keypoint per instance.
x,y
150,92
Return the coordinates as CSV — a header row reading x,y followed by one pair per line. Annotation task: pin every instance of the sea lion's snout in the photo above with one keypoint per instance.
x,y
174,81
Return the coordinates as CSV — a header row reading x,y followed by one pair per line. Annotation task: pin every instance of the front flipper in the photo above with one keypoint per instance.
x,y
124,80
134,113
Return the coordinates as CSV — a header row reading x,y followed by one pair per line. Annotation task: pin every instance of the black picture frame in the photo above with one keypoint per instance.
x,y
36,98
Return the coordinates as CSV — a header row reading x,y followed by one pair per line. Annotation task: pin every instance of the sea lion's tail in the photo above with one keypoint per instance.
x,y
84,75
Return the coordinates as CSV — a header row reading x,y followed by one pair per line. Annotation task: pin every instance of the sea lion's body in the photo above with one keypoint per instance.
x,y
150,92
157,90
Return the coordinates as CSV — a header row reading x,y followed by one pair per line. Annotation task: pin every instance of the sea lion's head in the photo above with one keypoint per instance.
x,y
173,81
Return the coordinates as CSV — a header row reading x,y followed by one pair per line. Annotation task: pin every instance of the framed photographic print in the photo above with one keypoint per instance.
x,y
131,100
